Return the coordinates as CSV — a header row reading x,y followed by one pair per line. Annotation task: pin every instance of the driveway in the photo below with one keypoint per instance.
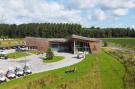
x,y
37,64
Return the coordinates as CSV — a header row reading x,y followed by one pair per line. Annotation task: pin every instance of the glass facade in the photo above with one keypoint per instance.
x,y
57,47
81,46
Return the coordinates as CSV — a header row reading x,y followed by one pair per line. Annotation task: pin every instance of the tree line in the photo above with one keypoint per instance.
x,y
54,30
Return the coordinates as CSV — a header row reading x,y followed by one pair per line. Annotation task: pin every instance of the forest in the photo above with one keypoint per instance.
x,y
61,30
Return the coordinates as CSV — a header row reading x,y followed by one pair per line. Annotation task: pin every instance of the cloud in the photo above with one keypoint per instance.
x,y
110,8
113,4
80,4
120,12
71,11
20,11
100,15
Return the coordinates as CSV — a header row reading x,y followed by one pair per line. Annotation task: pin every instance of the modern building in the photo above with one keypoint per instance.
x,y
72,44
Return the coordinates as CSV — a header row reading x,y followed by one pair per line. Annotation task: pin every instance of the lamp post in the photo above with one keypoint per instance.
x,y
25,50
15,54
25,57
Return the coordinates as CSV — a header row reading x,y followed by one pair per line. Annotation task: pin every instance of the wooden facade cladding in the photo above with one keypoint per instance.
x,y
39,44
74,44
95,47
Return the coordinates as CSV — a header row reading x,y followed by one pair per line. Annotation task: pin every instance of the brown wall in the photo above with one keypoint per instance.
x,y
95,47
43,44
40,44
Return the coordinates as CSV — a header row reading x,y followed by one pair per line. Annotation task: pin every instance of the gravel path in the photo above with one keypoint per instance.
x,y
37,64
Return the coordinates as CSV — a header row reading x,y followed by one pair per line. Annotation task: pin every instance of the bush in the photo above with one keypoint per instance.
x,y
49,54
105,44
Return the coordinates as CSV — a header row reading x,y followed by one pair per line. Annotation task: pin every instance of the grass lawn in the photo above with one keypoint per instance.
x,y
96,71
124,42
35,52
17,55
55,59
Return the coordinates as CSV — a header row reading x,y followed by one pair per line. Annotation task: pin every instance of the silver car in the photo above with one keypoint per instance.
x,y
19,71
2,77
11,74
80,55
27,69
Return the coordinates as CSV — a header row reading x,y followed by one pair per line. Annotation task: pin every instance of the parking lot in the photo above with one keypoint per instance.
x,y
37,64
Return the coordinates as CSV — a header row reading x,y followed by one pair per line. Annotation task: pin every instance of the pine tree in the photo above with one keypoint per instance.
x,y
49,54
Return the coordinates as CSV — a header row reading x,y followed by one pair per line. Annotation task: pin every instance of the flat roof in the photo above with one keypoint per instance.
x,y
64,40
49,39
84,38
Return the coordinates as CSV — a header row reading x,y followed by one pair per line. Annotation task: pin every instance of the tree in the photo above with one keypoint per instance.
x,y
3,37
105,44
61,30
49,54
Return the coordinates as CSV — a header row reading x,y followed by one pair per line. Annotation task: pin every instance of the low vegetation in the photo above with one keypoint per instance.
x,y
128,60
124,42
96,71
54,59
17,54
11,42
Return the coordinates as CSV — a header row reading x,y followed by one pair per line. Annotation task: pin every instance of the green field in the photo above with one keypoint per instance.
x,y
125,42
96,71
128,60
17,55
5,43
55,59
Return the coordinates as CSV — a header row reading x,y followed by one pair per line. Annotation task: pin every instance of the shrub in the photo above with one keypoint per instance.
x,y
105,44
49,54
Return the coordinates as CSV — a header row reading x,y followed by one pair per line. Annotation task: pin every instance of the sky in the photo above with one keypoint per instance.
x,y
99,13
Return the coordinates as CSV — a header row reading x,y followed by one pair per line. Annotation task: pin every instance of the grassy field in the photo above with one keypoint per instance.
x,y
128,60
17,54
96,71
12,42
125,42
55,59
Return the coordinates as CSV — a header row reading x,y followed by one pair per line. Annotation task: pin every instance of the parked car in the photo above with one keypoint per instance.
x,y
3,55
2,52
2,77
18,49
22,46
80,55
2,48
19,71
27,69
11,73
13,47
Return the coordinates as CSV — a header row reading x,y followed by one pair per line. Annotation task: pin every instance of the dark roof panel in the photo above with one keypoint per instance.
x,y
84,38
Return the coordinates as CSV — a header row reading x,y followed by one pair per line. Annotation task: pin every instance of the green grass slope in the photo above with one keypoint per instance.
x,y
96,71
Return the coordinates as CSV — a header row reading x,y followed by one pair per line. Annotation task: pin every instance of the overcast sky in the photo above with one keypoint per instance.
x,y
103,13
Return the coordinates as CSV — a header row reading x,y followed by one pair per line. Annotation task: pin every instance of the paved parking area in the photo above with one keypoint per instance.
x,y
37,64
9,51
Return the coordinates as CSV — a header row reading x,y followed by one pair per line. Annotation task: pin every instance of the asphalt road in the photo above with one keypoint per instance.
x,y
37,63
